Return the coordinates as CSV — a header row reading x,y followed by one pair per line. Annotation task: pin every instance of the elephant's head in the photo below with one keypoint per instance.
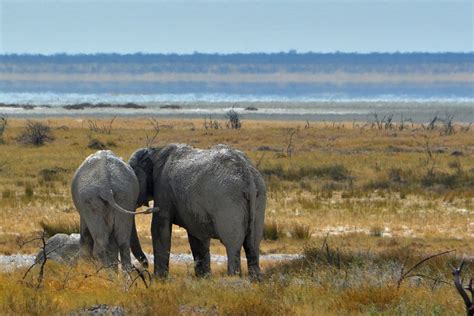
x,y
142,163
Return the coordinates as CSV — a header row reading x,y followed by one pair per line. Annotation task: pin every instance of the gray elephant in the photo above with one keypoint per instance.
x,y
104,190
215,193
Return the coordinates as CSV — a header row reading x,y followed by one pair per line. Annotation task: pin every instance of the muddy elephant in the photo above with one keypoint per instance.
x,y
105,190
215,193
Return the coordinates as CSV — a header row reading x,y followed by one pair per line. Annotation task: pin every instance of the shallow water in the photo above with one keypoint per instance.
x,y
301,107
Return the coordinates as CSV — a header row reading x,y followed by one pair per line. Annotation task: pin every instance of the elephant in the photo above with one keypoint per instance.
x,y
104,189
215,193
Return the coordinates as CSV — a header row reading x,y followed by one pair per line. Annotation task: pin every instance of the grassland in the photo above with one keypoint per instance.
x,y
385,197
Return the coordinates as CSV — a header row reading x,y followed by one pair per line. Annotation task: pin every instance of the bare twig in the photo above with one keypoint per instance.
x,y
141,275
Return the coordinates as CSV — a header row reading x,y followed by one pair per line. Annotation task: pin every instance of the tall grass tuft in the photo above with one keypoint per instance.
x,y
272,231
62,226
301,231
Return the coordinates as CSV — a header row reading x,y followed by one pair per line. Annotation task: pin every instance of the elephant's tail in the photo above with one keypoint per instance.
x,y
108,196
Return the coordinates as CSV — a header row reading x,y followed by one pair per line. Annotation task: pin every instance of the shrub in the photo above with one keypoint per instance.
x,y
272,231
50,174
233,119
36,133
96,144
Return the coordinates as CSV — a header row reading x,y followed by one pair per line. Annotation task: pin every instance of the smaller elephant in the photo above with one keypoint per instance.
x,y
104,190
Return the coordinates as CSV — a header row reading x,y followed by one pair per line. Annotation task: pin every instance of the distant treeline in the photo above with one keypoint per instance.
x,y
251,58
258,63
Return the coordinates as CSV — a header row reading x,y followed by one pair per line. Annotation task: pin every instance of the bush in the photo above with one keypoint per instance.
x,y
96,144
50,174
233,120
36,133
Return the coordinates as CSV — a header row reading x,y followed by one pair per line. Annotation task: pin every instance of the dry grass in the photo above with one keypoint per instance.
x,y
374,191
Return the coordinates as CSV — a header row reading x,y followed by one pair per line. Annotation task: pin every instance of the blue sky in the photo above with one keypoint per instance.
x,y
226,26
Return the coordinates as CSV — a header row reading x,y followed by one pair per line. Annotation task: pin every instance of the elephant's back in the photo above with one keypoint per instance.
x,y
104,169
220,166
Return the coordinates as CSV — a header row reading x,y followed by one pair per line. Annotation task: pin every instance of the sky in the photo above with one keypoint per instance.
x,y
225,26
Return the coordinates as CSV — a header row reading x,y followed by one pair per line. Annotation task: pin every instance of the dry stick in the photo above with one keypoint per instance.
x,y
43,263
405,275
461,290
141,276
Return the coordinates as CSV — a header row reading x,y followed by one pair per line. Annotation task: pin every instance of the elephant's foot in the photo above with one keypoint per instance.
x,y
161,275
255,276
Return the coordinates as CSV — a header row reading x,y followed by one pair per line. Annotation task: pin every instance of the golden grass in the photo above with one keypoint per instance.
x,y
366,188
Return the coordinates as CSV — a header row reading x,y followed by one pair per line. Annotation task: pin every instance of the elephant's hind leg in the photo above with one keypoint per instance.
x,y
252,253
86,241
122,230
202,257
231,231
100,233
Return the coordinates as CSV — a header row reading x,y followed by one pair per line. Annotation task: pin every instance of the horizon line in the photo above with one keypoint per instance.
x,y
289,52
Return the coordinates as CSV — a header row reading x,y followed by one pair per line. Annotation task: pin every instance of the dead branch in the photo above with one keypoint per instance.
x,y
458,283
291,133
141,275
104,129
406,274
156,130
43,262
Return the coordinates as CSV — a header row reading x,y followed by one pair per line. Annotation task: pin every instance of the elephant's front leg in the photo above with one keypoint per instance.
x,y
202,257
161,235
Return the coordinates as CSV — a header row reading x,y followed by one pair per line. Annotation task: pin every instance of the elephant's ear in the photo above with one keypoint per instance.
x,y
161,155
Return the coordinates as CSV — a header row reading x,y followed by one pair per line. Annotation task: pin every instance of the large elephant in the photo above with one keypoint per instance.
x,y
104,190
215,193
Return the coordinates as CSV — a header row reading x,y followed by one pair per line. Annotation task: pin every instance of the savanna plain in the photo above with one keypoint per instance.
x,y
363,203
